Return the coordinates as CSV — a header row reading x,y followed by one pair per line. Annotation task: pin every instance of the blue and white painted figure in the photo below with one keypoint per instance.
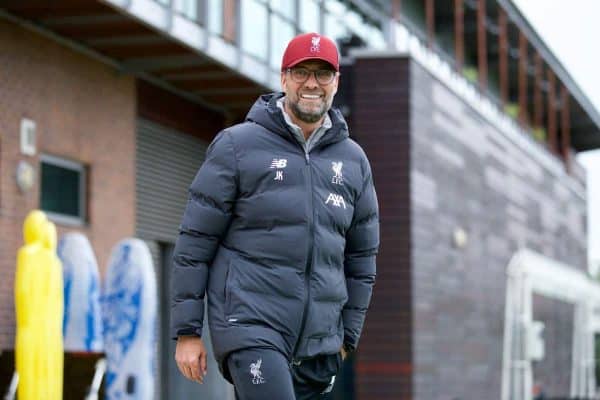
x,y
82,323
129,316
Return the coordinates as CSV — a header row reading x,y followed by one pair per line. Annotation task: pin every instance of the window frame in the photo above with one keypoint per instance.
x,y
65,219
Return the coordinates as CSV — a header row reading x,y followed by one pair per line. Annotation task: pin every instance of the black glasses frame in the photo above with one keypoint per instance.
x,y
315,72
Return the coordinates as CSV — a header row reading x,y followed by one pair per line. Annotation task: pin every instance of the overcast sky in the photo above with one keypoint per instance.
x,y
571,29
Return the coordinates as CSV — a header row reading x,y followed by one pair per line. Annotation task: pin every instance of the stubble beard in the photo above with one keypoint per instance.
x,y
308,116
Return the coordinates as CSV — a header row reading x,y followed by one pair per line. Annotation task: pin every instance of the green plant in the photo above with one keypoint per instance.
x,y
471,74
512,109
540,134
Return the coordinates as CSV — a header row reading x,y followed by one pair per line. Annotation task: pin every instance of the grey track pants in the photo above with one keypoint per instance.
x,y
264,373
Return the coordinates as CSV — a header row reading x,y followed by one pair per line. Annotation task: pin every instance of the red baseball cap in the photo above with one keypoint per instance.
x,y
310,46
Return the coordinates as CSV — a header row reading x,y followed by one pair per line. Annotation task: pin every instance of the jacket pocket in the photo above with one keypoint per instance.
x,y
228,288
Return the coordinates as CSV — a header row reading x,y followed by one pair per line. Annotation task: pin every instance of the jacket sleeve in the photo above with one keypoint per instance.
x,y
205,221
362,244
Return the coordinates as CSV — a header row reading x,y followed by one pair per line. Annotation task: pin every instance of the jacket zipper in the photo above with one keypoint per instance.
x,y
309,260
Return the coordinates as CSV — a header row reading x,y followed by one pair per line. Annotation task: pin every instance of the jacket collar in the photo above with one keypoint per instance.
x,y
266,113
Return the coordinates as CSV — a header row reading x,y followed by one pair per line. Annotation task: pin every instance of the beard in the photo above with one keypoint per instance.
x,y
309,115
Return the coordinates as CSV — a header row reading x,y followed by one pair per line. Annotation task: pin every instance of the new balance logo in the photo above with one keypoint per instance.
x,y
278,163
336,199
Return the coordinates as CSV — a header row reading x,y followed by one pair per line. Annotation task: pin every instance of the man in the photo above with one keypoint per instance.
x,y
281,229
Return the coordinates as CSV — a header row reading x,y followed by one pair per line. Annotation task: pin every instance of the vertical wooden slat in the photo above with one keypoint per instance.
x,y
482,45
396,9
538,105
551,110
430,16
503,55
523,117
565,126
459,33
230,22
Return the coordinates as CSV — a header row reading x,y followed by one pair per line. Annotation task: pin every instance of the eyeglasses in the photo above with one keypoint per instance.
x,y
301,75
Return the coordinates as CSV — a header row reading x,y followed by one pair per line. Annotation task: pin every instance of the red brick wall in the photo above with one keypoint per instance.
x,y
169,110
84,111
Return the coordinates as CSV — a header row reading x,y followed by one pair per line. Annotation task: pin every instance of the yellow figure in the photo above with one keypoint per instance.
x,y
39,311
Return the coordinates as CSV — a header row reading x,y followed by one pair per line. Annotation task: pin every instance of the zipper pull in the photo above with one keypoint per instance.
x,y
307,157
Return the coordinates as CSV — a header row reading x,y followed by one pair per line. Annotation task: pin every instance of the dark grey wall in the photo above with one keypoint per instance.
x,y
466,174
380,117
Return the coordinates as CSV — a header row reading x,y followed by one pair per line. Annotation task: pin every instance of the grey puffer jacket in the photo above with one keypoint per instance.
x,y
283,242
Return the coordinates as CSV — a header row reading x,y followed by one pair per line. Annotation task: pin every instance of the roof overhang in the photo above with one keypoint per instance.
x,y
152,42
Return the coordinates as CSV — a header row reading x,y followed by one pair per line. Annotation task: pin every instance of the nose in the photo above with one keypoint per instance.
x,y
311,82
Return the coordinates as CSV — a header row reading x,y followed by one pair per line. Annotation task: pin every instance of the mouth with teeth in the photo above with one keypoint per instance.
x,y
308,96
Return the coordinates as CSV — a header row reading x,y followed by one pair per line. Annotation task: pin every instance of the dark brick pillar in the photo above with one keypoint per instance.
x,y
380,123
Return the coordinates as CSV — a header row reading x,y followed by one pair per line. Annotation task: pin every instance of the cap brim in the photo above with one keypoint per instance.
x,y
298,61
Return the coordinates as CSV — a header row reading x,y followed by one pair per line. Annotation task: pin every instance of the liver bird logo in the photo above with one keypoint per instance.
x,y
315,44
337,171
257,378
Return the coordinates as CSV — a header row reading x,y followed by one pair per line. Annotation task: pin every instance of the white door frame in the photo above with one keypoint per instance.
x,y
528,273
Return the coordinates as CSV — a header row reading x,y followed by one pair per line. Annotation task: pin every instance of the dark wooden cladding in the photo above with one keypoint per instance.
x,y
523,61
538,105
95,31
381,103
482,45
551,111
459,33
39,9
430,19
503,55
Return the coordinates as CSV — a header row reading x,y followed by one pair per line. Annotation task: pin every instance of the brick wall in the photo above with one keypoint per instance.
x,y
167,109
436,323
85,111
380,116
467,174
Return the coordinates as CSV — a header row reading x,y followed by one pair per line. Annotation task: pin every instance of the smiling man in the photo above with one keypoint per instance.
x,y
280,232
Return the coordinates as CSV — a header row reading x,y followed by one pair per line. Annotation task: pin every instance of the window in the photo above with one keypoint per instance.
x,y
285,7
281,32
215,16
254,28
63,188
309,16
188,8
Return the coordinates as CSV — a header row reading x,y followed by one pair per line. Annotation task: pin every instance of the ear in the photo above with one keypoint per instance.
x,y
335,83
283,80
